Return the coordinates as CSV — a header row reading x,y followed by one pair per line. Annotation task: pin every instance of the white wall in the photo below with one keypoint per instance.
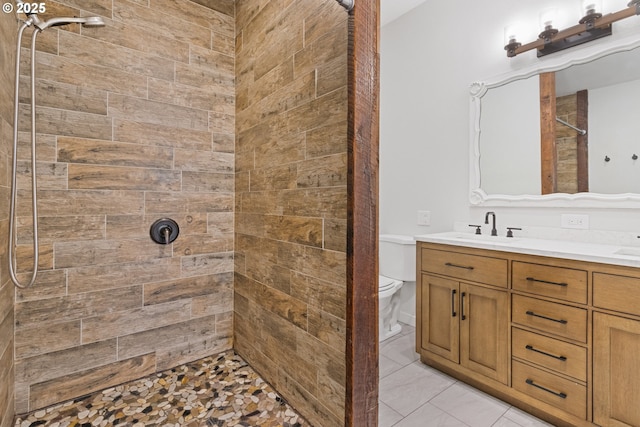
x,y
614,131
429,57
510,138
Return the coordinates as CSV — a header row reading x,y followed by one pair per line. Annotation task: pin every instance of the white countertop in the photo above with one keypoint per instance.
x,y
592,252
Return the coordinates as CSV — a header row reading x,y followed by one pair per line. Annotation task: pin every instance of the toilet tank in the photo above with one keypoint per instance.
x,y
397,258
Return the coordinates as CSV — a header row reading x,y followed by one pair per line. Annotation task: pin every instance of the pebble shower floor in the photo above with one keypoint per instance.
x,y
216,391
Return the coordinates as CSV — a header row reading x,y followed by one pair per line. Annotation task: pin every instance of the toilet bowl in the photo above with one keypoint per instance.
x,y
389,303
397,263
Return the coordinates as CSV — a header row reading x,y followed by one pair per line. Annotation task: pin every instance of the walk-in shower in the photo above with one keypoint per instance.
x,y
38,25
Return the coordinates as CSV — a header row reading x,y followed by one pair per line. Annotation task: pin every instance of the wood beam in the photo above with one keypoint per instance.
x,y
361,404
548,152
582,122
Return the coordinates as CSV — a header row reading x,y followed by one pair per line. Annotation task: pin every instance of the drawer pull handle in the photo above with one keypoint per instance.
x,y
532,348
531,313
453,303
462,316
555,393
466,267
533,279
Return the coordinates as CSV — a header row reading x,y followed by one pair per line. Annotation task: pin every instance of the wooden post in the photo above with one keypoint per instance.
x,y
582,122
361,401
548,152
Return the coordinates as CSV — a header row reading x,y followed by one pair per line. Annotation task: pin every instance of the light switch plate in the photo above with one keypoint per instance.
x,y
424,217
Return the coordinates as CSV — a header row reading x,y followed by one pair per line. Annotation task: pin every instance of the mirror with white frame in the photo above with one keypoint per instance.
x,y
505,165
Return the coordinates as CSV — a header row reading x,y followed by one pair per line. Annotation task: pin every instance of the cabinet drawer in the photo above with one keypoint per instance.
x,y
619,293
567,395
558,319
560,356
492,271
555,282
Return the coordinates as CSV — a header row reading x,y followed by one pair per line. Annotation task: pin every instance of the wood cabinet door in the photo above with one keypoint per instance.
x,y
484,326
616,371
440,316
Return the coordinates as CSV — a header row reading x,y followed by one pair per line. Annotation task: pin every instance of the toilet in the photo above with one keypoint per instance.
x,y
397,264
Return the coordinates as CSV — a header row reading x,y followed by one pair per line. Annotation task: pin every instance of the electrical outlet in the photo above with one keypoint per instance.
x,y
424,217
574,221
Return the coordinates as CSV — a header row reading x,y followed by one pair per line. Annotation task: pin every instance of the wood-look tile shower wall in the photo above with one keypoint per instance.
x,y
135,123
291,200
567,145
8,35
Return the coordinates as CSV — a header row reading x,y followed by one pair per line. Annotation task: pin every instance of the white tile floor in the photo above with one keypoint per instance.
x,y
415,395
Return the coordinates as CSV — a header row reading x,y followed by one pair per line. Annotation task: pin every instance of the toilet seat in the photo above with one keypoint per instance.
x,y
385,283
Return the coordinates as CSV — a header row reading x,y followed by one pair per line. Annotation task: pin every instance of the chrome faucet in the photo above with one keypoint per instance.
x,y
494,232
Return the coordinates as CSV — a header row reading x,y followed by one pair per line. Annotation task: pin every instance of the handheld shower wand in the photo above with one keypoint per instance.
x,y
39,25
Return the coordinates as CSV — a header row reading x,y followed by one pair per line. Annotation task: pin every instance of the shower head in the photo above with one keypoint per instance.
x,y
90,21
93,21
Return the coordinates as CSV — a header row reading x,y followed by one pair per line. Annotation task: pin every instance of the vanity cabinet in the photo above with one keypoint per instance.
x,y
616,350
556,337
616,359
466,324
545,363
464,266
464,304
561,283
556,355
549,317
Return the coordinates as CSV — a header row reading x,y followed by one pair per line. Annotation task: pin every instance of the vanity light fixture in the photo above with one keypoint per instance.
x,y
591,26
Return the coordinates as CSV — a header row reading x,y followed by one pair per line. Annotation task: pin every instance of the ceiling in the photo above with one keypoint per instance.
x,y
393,9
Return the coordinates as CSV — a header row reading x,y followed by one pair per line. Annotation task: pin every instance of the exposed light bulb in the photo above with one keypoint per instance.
x,y
510,34
591,11
547,18
590,7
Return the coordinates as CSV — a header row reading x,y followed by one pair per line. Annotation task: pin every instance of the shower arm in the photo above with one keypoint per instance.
x,y
12,214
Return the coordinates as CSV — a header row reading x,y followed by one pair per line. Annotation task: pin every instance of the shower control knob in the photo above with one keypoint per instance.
x,y
164,231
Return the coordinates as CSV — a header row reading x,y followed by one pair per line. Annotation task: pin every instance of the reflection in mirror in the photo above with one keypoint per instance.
x,y
507,140
615,133
572,142
510,138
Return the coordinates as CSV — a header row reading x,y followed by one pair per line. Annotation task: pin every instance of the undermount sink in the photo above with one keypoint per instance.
x,y
630,251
